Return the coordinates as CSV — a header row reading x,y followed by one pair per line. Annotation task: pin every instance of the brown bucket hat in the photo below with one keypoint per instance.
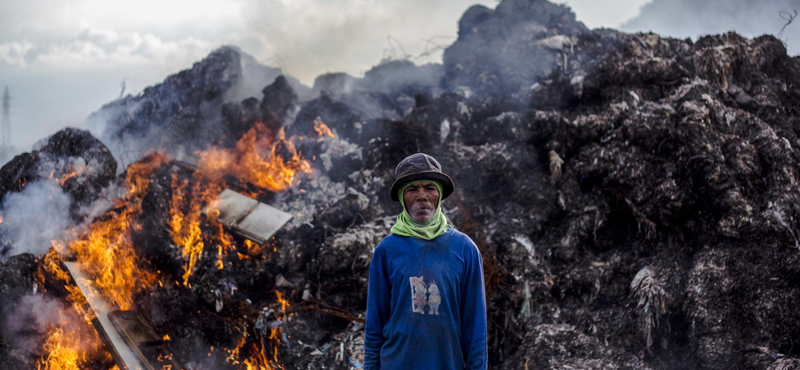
x,y
420,166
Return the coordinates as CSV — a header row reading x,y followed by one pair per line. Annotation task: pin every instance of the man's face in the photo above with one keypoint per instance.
x,y
421,200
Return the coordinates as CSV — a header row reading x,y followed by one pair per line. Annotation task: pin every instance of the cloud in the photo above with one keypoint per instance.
x,y
98,48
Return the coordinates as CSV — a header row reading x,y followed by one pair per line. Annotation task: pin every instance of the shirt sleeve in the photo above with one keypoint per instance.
x,y
379,295
473,311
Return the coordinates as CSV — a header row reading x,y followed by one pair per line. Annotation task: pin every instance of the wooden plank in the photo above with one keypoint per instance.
x,y
143,340
123,356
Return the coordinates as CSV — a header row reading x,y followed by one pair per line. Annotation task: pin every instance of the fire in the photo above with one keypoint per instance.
x,y
185,228
258,359
220,255
322,129
273,170
71,344
233,354
63,179
284,303
106,254
105,250
225,244
137,177
72,173
185,219
52,264
253,249
62,354
69,170
275,337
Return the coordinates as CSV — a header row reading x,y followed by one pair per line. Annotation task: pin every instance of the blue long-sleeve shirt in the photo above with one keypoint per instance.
x,y
426,306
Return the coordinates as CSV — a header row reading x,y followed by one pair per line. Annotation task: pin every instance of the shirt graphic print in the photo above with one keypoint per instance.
x,y
424,295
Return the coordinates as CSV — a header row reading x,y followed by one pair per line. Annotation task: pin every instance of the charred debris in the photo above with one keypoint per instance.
x,y
634,198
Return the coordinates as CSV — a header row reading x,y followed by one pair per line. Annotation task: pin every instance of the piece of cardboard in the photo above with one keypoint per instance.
x,y
248,217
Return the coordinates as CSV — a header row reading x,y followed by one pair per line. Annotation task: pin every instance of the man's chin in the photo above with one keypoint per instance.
x,y
423,219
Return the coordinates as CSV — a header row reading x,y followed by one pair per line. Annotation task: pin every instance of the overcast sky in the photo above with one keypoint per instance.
x,y
63,59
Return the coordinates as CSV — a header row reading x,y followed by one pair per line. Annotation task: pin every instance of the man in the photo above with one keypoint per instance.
x,y
426,306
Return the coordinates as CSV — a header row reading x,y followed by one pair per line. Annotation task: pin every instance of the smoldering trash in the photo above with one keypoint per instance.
x,y
633,197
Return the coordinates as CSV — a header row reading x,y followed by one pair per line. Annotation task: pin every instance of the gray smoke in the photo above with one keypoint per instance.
x,y
27,322
255,76
694,18
35,216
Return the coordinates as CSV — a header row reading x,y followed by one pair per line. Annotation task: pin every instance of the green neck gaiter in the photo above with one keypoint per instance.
x,y
406,226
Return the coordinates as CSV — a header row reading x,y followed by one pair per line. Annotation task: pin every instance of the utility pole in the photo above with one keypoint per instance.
x,y
5,129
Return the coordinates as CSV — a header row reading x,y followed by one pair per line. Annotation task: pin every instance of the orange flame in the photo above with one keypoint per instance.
x,y
264,159
274,170
185,228
105,253
253,249
62,353
284,303
70,345
52,265
69,172
259,360
322,129
233,354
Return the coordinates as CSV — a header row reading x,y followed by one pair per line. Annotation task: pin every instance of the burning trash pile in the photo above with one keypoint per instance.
x,y
633,198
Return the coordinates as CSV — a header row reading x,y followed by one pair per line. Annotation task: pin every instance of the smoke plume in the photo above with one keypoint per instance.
x,y
35,216
692,18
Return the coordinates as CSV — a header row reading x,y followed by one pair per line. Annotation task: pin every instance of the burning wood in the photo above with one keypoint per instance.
x,y
143,341
123,354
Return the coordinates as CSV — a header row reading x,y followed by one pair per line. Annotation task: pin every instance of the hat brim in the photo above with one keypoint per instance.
x,y
447,183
